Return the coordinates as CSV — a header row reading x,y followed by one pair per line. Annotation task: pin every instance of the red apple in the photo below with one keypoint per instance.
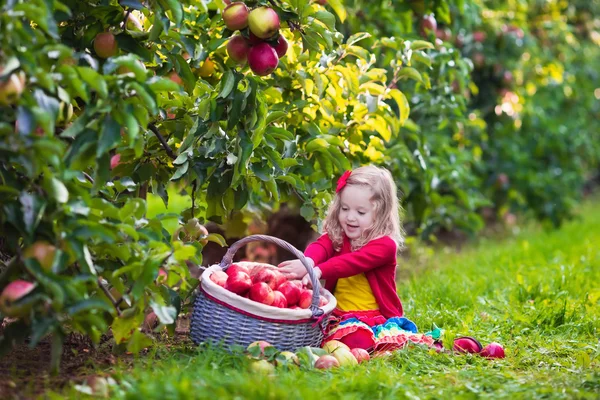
x,y
43,252
361,355
279,300
262,59
162,275
291,292
13,292
297,283
238,283
493,350
479,36
114,161
219,277
428,24
174,76
262,293
235,16
261,344
282,46
237,49
105,45
253,39
305,298
235,268
263,22
467,344
326,361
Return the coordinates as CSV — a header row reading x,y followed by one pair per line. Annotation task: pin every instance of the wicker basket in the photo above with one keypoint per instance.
x,y
223,317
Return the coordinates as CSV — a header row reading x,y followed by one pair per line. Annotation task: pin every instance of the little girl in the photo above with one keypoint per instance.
x,y
356,256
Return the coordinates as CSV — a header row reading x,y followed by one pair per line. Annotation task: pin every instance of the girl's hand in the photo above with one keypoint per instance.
x,y
292,269
306,280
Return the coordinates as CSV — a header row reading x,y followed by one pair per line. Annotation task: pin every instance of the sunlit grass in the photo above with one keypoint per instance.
x,y
537,293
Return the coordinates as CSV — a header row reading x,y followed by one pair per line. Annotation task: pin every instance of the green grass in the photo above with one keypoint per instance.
x,y
537,293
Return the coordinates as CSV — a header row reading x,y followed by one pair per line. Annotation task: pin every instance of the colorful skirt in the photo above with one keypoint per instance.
x,y
371,331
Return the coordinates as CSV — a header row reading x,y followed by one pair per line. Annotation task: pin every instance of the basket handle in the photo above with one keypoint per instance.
x,y
306,261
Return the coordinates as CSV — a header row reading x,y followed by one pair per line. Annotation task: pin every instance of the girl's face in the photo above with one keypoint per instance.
x,y
357,211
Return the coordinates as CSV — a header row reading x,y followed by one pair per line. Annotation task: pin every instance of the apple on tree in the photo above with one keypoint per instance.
x,y
11,88
105,45
235,16
12,293
237,49
262,59
428,24
43,252
263,22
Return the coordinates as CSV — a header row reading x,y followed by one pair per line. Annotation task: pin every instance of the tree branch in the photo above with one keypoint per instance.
x,y
162,141
112,299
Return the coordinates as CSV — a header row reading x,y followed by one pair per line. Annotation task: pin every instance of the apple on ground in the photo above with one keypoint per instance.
x,y
327,362
279,300
290,358
262,293
237,49
291,292
150,322
344,356
235,16
13,292
238,283
263,22
332,345
361,355
467,344
219,277
261,344
105,45
262,367
43,252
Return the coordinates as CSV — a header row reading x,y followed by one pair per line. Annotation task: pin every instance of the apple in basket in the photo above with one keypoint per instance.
x,y
270,276
291,292
219,277
262,293
234,268
305,298
238,283
279,300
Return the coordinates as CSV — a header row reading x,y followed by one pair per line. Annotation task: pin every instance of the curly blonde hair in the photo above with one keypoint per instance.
x,y
387,209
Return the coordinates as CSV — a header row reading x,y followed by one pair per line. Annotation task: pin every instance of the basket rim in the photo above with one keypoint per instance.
x,y
256,309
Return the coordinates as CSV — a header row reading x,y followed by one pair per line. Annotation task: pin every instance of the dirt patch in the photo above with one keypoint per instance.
x,y
25,372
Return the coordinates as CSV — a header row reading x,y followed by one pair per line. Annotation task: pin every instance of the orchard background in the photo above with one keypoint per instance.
x,y
125,126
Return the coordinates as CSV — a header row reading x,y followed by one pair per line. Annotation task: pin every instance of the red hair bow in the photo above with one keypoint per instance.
x,y
342,181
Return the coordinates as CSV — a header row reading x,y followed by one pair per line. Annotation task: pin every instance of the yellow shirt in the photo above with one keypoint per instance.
x,y
355,294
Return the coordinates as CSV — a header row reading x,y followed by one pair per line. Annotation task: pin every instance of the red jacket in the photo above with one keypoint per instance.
x,y
377,259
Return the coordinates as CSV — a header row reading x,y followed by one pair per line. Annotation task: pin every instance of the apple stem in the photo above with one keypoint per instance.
x,y
162,141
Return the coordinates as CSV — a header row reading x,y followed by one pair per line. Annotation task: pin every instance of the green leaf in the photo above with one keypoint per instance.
x,y
227,83
339,9
159,84
357,37
166,314
110,135
216,238
94,79
327,18
57,190
402,102
421,44
409,73
89,305
138,342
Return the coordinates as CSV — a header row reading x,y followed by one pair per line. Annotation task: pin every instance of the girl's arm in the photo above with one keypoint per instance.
x,y
374,254
319,251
